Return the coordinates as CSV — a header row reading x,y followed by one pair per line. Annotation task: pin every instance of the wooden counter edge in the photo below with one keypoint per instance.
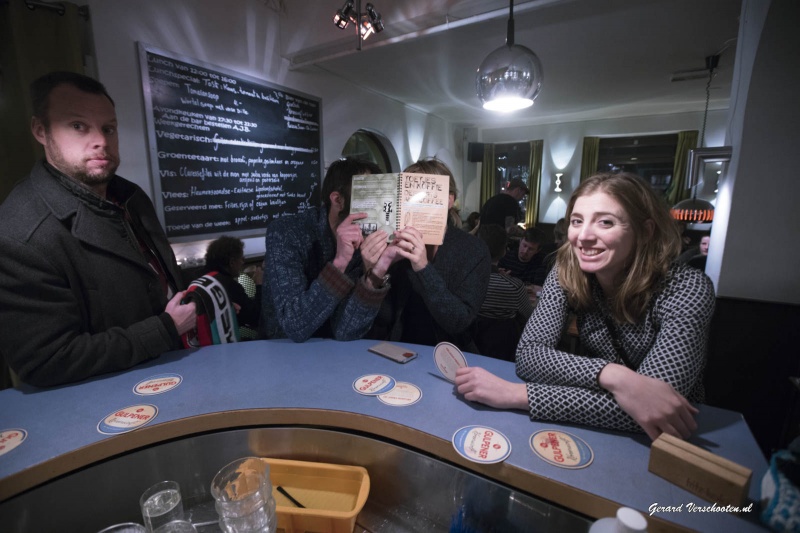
x,y
517,478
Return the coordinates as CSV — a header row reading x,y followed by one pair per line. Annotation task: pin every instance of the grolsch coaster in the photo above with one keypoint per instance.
x,y
561,449
10,439
481,444
157,384
374,384
402,394
127,419
448,359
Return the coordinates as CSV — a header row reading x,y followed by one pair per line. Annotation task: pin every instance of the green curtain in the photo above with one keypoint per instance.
x,y
677,191
534,184
32,43
590,157
487,173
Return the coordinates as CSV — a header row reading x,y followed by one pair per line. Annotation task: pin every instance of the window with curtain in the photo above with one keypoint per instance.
x,y
650,156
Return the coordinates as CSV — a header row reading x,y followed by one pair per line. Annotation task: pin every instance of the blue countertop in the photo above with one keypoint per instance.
x,y
280,382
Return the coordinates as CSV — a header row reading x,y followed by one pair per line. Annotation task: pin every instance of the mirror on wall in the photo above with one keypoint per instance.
x,y
706,167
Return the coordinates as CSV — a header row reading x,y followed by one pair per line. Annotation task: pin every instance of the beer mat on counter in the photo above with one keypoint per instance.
x,y
481,444
401,395
127,419
448,359
157,384
561,449
374,384
10,439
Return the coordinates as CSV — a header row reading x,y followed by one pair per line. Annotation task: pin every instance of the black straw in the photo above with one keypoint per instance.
x,y
297,503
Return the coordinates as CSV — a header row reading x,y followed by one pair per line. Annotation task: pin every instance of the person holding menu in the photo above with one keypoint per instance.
x,y
643,319
88,281
437,290
322,277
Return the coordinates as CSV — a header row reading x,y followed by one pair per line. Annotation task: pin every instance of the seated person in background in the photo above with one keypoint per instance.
x,y
437,292
700,249
225,255
506,307
503,208
322,278
643,318
549,250
473,223
88,281
524,262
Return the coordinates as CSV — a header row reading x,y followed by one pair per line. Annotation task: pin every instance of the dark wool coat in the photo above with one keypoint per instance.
x,y
77,296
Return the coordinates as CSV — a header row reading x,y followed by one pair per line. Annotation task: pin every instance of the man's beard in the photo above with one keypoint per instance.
x,y
79,171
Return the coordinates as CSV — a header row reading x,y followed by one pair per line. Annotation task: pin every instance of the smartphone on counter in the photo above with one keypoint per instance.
x,y
394,352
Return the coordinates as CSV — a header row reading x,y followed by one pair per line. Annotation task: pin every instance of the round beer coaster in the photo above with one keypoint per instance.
x,y
481,444
401,395
127,419
448,359
561,449
157,384
10,439
374,384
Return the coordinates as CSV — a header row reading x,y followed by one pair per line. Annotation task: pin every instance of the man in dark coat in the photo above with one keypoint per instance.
x,y
88,281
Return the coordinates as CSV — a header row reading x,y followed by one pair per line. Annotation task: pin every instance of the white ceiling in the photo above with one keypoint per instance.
x,y
601,58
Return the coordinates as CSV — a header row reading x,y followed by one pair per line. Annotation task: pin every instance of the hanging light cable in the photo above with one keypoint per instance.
x,y
692,209
509,78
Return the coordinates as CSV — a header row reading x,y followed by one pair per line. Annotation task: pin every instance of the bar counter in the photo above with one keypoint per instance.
x,y
281,383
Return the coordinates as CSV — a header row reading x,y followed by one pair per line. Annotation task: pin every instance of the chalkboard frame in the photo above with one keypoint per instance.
x,y
155,176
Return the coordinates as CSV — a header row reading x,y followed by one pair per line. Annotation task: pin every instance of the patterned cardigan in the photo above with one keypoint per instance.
x,y
669,344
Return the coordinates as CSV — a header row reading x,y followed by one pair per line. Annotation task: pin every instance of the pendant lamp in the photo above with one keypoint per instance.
x,y
509,78
694,210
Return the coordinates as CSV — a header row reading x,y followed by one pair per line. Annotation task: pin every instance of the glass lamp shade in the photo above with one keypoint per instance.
x,y
693,210
509,78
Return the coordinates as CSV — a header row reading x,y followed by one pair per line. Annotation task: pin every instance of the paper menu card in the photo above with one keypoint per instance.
x,y
394,201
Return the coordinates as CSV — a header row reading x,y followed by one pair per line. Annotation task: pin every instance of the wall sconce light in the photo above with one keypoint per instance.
x,y
366,23
558,181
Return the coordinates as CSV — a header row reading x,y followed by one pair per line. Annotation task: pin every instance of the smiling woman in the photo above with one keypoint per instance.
x,y
642,318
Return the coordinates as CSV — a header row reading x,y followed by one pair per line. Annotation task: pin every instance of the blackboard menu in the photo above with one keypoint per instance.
x,y
228,152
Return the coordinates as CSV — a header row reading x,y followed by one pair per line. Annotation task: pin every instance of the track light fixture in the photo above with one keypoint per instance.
x,y
366,23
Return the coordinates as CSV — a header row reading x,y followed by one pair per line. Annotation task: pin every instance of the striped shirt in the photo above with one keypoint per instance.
x,y
505,297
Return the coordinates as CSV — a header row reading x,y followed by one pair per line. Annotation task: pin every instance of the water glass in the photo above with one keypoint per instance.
x,y
242,492
127,527
160,504
176,526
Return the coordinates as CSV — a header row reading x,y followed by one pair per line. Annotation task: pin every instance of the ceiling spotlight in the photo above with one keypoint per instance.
x,y
509,78
366,23
343,16
374,18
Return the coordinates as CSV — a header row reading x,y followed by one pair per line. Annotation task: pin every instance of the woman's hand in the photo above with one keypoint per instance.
x,y
479,385
411,246
652,403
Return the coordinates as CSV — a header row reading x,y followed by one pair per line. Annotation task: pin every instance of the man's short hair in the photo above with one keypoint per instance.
x,y
339,178
496,238
220,252
517,183
533,235
42,86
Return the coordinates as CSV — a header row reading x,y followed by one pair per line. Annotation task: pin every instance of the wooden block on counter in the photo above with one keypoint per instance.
x,y
700,472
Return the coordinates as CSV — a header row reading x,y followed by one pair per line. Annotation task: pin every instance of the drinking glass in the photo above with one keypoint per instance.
x,y
176,526
242,492
160,504
127,527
